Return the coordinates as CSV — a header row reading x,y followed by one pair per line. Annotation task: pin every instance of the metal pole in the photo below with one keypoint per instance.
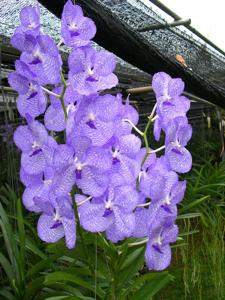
x,y
164,26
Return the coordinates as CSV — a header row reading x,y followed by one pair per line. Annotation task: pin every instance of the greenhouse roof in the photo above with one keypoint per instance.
x,y
122,30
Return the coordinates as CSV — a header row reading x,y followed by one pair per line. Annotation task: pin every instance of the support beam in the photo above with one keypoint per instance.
x,y
164,26
148,89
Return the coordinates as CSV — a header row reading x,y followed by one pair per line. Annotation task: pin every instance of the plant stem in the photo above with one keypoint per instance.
x,y
151,119
79,230
61,97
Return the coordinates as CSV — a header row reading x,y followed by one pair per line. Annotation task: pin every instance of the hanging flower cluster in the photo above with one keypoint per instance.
x,y
117,186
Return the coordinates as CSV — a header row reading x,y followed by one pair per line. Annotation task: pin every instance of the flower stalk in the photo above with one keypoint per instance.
x,y
61,97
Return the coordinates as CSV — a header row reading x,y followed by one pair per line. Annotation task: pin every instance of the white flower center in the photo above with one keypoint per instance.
x,y
158,241
32,25
32,87
57,217
176,143
37,54
78,165
71,108
35,145
108,204
72,26
166,95
47,182
90,72
91,116
167,200
115,153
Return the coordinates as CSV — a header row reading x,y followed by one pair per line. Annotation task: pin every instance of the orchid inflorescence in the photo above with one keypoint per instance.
x,y
101,171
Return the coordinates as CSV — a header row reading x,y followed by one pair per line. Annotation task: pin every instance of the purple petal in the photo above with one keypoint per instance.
x,y
98,158
130,144
122,228
30,17
35,105
18,83
181,162
45,230
93,184
33,164
160,83
91,217
157,260
63,157
141,222
55,119
175,87
23,138
69,226
105,63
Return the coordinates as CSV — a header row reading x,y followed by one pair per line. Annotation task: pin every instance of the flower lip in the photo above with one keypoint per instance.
x,y
156,247
37,57
107,212
56,225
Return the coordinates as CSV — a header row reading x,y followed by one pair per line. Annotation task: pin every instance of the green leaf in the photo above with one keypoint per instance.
x,y
43,264
153,286
12,250
22,235
194,203
34,287
6,267
6,294
132,257
189,216
68,277
141,280
32,247
131,266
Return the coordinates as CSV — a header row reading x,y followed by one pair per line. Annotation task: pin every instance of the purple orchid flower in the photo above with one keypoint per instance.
x,y
31,99
41,55
76,30
56,221
36,146
153,176
123,151
177,135
170,103
39,187
127,112
165,87
92,123
112,212
84,164
158,251
54,118
91,71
